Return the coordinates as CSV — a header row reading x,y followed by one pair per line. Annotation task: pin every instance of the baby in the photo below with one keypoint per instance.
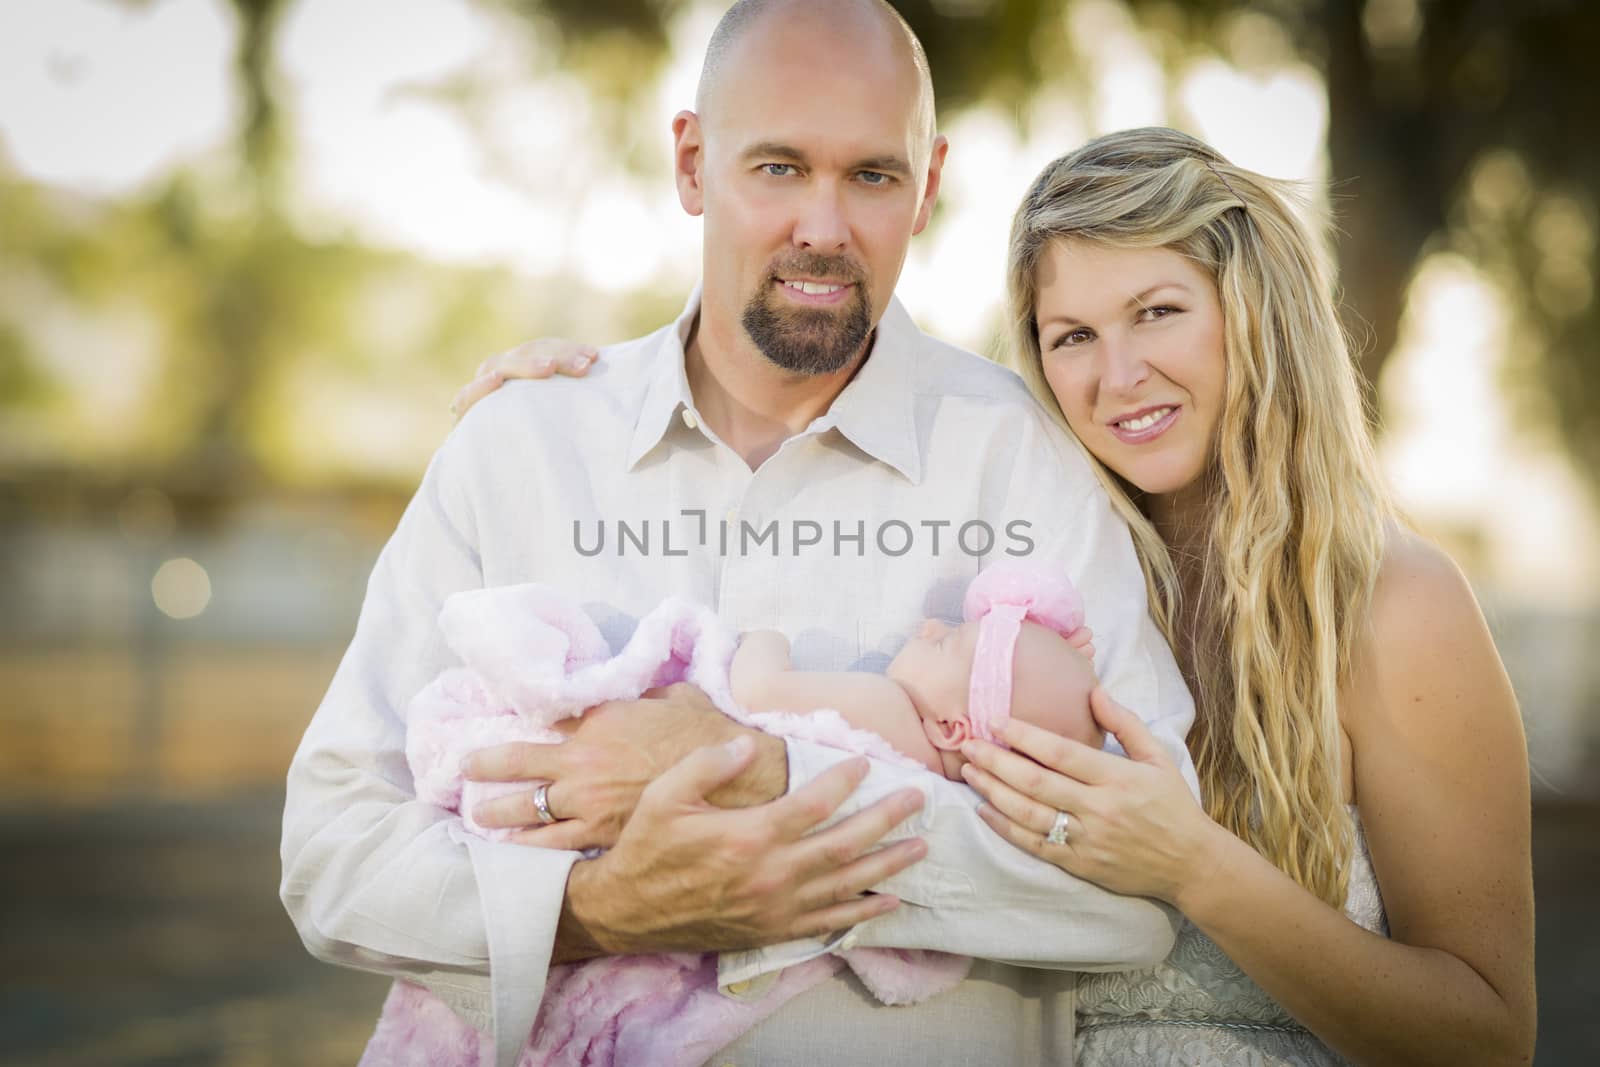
x,y
1022,651
532,657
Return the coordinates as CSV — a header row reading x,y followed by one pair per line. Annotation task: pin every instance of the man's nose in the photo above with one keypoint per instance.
x,y
821,226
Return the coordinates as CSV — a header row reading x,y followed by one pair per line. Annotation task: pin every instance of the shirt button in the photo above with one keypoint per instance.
x,y
733,515
739,989
689,420
847,942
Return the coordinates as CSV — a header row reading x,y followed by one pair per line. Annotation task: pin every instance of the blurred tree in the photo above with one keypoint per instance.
x,y
235,303
1453,124
1456,124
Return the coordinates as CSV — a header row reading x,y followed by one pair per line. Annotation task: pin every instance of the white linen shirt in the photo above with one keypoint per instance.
x,y
929,464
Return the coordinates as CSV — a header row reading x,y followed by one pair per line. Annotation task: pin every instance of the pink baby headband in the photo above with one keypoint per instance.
x,y
1000,599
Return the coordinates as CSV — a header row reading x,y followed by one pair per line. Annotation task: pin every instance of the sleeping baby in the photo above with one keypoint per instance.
x,y
531,657
1022,651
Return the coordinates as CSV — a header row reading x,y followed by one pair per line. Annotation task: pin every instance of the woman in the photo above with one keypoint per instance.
x,y
1355,730
1360,752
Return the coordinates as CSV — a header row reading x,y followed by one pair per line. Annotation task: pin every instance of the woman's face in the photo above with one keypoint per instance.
x,y
1131,341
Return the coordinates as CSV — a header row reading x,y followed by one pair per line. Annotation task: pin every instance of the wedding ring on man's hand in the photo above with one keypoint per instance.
x,y
1058,830
541,801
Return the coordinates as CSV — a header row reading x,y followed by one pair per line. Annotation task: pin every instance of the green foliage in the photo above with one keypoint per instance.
x,y
238,304
1425,98
21,384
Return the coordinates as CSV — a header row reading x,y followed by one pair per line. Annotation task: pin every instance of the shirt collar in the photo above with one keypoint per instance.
x,y
876,411
667,391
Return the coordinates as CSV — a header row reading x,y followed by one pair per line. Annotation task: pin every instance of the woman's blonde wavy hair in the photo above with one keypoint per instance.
x,y
1295,514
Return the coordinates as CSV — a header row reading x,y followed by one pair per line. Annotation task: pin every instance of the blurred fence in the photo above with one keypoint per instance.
x,y
110,690
162,651
165,644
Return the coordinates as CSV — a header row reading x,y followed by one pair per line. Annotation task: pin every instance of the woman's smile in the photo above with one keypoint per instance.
x,y
1144,425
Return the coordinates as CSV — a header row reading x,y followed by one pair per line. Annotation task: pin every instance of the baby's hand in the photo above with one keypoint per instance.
x,y
1082,639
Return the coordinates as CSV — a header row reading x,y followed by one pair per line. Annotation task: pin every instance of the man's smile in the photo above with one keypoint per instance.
x,y
815,293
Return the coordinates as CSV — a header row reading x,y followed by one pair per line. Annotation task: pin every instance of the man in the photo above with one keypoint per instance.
x,y
796,453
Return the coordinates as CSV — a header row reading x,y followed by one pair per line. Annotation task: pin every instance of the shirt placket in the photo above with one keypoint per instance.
x,y
748,589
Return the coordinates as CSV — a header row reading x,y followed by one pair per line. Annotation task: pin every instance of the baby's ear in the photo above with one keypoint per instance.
x,y
947,735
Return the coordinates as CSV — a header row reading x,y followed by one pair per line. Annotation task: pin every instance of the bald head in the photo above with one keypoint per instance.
x,y
812,159
1050,684
871,26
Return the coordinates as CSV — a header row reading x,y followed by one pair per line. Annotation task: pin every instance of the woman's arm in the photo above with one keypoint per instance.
x,y
1441,780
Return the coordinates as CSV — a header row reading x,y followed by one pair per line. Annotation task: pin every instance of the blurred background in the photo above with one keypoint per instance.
x,y
249,249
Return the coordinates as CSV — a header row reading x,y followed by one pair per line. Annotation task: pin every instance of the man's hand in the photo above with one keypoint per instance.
x,y
686,875
610,755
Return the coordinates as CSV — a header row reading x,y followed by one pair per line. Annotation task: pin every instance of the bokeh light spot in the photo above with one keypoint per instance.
x,y
181,588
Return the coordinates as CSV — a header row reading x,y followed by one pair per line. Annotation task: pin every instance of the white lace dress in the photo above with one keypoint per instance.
x,y
1199,1010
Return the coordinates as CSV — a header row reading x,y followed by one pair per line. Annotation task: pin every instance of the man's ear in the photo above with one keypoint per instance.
x,y
688,161
930,189
947,735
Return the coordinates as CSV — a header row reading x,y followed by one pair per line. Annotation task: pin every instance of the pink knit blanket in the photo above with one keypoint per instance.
x,y
531,658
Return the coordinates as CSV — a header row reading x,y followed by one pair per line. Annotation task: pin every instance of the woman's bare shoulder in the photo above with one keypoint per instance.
x,y
1419,585
1426,644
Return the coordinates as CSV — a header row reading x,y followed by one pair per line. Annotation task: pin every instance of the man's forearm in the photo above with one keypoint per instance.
x,y
578,936
583,930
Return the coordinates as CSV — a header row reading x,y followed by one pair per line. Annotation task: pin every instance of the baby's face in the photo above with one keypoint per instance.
x,y
935,668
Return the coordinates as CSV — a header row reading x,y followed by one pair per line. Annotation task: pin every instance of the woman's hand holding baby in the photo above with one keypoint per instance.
x,y
1132,824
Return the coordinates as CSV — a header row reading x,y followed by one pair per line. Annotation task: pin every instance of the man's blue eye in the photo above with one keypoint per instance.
x,y
778,170
875,177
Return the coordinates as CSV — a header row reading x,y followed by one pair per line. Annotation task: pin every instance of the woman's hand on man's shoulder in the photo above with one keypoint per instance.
x,y
541,358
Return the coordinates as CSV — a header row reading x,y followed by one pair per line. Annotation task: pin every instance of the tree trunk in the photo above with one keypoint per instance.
x,y
1384,210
